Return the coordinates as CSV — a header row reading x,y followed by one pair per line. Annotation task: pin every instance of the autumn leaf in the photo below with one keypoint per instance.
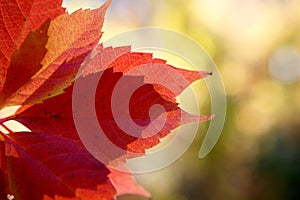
x,y
71,39
18,19
58,167
46,57
27,58
55,115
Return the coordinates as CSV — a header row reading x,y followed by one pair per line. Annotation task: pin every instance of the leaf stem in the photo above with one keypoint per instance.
x,y
6,119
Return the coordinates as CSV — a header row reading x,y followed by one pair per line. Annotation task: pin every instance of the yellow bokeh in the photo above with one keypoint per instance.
x,y
257,156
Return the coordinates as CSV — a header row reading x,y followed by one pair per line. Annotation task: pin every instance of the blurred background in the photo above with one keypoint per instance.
x,y
255,45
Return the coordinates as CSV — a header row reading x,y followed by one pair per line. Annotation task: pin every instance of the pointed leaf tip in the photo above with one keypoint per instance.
x,y
209,73
187,118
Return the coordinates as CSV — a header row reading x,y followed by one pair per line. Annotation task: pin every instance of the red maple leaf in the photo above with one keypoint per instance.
x,y
42,49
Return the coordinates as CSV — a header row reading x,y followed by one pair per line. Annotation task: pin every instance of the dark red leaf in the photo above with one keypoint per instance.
x,y
3,173
45,166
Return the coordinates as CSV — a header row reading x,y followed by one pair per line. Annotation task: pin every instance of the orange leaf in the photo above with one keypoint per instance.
x,y
71,38
17,19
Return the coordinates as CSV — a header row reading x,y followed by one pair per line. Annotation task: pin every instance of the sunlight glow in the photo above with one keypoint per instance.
x,y
16,126
8,111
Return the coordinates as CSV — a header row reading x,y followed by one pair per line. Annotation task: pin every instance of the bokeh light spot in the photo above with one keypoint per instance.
x,y
284,65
